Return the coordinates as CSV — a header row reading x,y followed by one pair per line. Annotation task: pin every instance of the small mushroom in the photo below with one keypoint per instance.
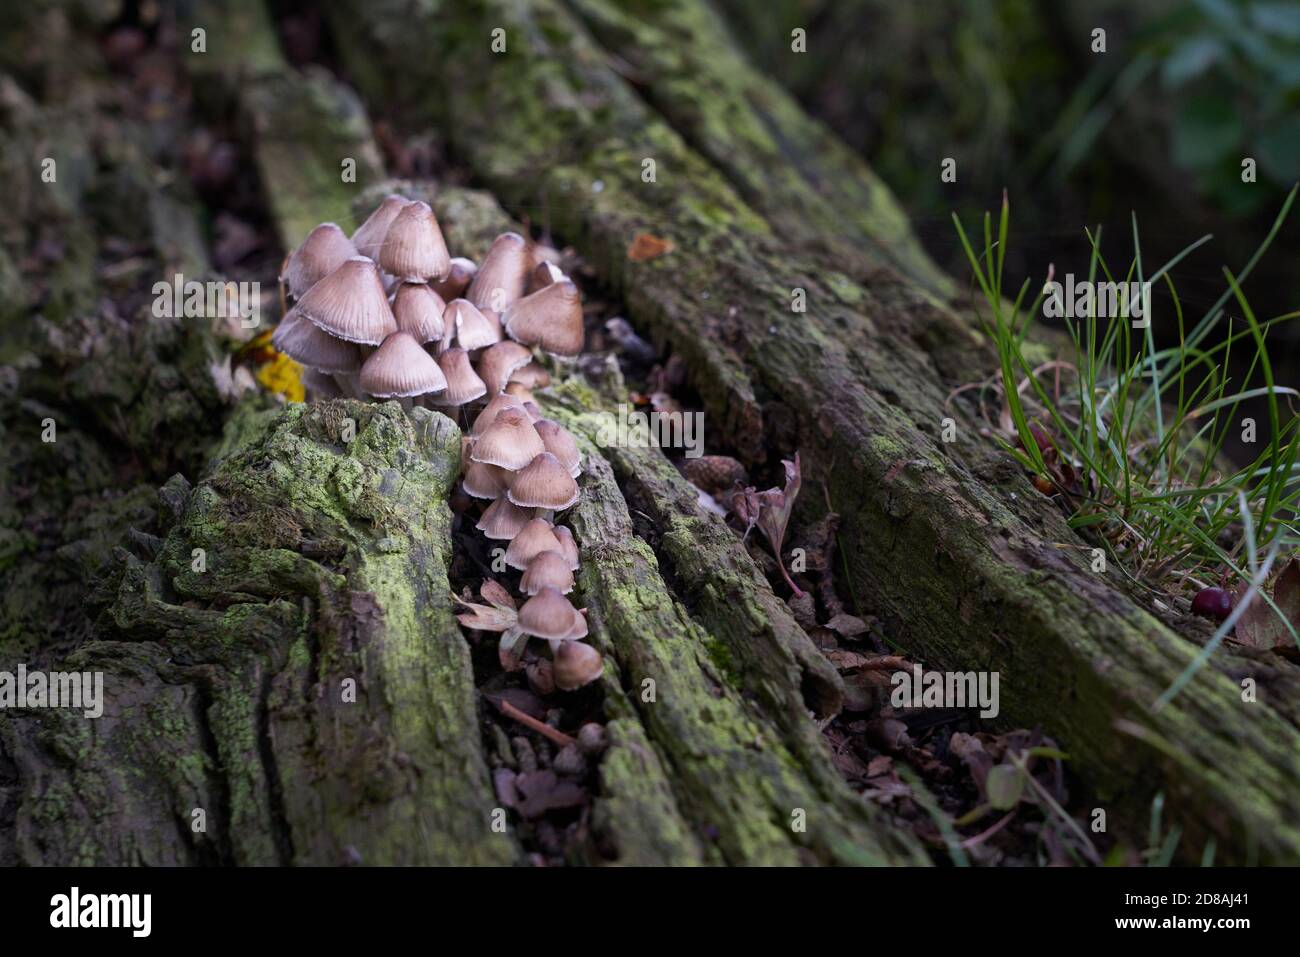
x,y
498,362
550,318
519,391
414,249
544,483
419,310
463,385
350,303
304,342
473,329
489,413
574,664
456,281
559,443
535,537
548,614
400,369
544,275
502,275
531,375
369,237
510,441
503,520
568,547
547,570
486,481
323,251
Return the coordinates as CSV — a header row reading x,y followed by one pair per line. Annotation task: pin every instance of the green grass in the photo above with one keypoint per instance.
x,y
1130,437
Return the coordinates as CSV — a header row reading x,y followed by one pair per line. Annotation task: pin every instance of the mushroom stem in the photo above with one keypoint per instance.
x,y
349,385
547,513
405,402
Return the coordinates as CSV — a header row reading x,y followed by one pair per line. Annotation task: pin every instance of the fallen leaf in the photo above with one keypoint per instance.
x,y
647,246
776,507
1259,625
847,626
494,593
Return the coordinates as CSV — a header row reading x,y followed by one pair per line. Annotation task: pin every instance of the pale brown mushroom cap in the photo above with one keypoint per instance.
x,y
510,441
502,274
544,483
519,391
463,383
323,251
489,413
568,547
561,444
499,361
547,569
503,520
456,281
574,664
550,318
303,342
531,375
534,412
418,310
369,236
413,248
486,481
473,329
350,303
544,275
535,537
548,614
400,368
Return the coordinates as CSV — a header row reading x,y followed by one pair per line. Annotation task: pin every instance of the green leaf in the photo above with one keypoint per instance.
x,y
1190,59
1005,784
1208,129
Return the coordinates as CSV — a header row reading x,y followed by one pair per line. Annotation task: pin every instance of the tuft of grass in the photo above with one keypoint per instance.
x,y
1131,437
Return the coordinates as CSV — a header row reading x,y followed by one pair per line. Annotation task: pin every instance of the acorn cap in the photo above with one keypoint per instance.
x,y
510,441
503,520
418,310
400,368
486,481
455,283
323,251
413,248
473,330
463,385
320,384
302,342
500,361
544,275
568,547
574,664
350,303
535,537
550,318
560,444
544,483
532,375
489,413
547,570
502,274
369,237
548,614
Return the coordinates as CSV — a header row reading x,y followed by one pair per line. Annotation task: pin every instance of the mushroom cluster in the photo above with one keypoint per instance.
x,y
389,314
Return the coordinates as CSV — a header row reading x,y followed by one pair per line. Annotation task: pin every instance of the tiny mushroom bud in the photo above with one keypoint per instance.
x,y
418,310
574,664
535,537
400,369
473,329
369,237
463,385
457,281
548,614
322,252
350,303
498,362
503,520
502,275
547,569
510,441
550,318
568,547
414,249
544,483
560,444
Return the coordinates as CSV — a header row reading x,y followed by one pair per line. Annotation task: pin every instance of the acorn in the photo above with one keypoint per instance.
x,y
1213,603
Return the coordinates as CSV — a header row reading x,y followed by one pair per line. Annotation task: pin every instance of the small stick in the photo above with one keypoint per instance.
x,y
541,727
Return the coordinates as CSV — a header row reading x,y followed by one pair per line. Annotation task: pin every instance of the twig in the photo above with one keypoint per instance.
x,y
527,720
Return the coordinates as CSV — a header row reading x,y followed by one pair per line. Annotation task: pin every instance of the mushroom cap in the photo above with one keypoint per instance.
x,y
473,329
510,441
414,249
534,413
568,547
561,444
418,310
489,413
463,384
574,664
303,342
369,237
550,318
323,251
531,375
503,520
502,274
548,614
454,284
535,537
544,483
499,361
350,303
486,481
547,569
519,391
543,275
400,367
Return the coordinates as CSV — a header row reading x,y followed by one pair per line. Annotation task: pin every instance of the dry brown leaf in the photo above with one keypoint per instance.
x,y
647,246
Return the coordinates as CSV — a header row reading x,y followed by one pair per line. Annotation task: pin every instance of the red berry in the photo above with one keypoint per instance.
x,y
1212,603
